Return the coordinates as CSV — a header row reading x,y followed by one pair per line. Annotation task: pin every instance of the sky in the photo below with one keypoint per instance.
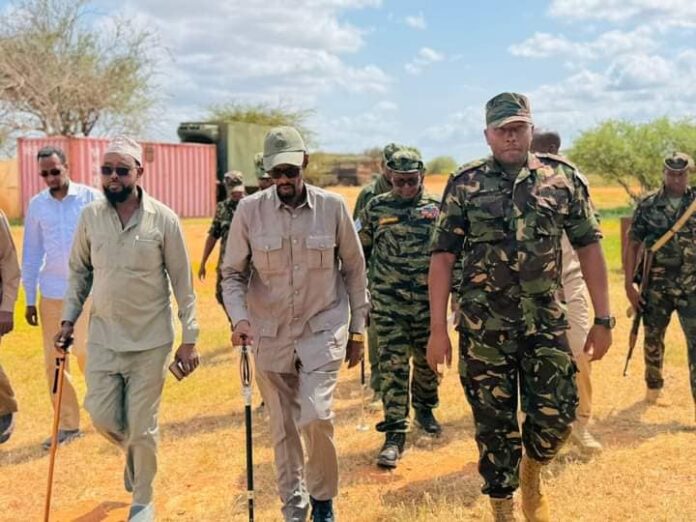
x,y
420,73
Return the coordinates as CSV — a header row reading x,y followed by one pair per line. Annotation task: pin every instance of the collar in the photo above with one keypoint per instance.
x,y
662,199
310,197
145,201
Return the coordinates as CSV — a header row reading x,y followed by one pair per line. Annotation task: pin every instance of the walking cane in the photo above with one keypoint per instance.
x,y
58,377
361,425
245,372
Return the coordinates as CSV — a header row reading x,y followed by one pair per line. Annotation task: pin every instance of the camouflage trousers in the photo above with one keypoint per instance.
x,y
373,358
400,340
497,367
661,302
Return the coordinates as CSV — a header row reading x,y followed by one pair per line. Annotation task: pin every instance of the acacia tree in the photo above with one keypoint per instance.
x,y
628,153
60,76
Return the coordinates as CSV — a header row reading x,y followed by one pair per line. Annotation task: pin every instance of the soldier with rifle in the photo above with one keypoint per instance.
x,y
664,224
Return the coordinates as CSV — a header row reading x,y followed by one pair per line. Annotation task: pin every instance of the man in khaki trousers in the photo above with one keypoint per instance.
x,y
49,227
577,301
9,284
292,274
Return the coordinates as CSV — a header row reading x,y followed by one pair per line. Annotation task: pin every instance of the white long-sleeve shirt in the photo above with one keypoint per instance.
x,y
49,227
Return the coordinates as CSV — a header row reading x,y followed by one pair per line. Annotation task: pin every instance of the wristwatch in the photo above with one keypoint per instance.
x,y
608,321
356,337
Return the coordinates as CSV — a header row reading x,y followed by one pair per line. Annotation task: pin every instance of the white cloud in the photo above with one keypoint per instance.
x,y
640,71
416,22
425,57
672,12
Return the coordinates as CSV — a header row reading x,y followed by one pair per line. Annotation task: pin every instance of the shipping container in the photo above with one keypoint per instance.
x,y
180,175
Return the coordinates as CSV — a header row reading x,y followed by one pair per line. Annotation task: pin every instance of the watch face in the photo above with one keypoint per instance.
x,y
612,322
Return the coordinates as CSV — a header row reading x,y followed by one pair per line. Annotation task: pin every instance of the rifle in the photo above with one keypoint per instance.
x,y
643,269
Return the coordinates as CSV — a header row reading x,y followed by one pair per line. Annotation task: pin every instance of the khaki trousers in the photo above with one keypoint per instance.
x,y
577,300
49,317
8,403
301,402
123,397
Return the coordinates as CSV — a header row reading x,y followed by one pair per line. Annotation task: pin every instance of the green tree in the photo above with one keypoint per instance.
x,y
264,114
60,74
442,165
632,153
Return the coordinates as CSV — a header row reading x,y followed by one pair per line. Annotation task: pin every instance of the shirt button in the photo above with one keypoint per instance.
x,y
294,216
294,241
297,292
296,267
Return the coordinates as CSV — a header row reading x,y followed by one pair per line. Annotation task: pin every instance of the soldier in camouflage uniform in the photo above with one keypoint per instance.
x,y
395,230
506,215
234,183
264,178
379,186
673,275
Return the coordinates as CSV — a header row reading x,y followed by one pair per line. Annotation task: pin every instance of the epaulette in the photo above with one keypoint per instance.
x,y
649,196
558,158
468,167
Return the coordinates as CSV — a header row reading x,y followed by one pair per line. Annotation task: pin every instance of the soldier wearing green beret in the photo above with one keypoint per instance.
x,y
506,214
395,230
672,278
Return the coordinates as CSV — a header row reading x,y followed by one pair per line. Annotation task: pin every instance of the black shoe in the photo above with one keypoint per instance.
x,y
428,422
6,427
322,510
64,437
392,450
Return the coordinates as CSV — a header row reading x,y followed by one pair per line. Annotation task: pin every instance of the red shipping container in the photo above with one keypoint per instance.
x,y
180,175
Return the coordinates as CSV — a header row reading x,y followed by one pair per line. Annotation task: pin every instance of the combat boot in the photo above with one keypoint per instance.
x,y
392,450
322,510
583,439
426,420
534,503
503,510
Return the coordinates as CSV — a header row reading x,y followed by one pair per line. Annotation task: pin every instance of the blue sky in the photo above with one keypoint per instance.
x,y
420,72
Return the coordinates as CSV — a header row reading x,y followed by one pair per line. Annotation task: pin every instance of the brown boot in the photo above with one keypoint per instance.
x,y
503,510
534,503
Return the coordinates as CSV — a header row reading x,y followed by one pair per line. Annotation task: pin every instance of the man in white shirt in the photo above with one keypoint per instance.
x,y
49,228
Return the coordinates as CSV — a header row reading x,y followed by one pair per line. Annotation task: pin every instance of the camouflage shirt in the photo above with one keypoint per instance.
x,y
508,230
395,234
221,222
652,219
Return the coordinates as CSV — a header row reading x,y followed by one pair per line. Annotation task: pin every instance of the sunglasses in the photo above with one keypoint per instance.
x,y
411,182
106,170
288,172
51,172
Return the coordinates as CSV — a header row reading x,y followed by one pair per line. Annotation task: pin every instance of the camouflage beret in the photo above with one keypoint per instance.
x,y
258,166
678,161
508,107
233,177
406,160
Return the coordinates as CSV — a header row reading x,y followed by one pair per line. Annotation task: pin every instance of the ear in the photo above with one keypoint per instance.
x,y
485,133
305,162
140,171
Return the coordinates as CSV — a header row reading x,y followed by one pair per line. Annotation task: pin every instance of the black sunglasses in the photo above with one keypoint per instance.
x,y
51,172
107,170
411,182
288,172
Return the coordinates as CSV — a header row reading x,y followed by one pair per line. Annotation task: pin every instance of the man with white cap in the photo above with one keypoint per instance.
x,y
294,286
128,249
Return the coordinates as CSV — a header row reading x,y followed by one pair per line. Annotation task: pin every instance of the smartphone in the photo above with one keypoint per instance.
x,y
177,370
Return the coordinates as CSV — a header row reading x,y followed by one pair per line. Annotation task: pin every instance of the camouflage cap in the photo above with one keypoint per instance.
x,y
283,146
233,178
507,107
678,161
258,166
405,161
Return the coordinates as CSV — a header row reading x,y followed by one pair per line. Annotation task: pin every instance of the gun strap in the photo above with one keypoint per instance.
x,y
675,228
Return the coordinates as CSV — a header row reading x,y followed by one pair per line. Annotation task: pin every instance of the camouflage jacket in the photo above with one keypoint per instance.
x,y
508,230
652,218
220,226
395,234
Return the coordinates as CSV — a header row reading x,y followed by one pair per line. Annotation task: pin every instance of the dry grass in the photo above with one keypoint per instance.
x,y
646,472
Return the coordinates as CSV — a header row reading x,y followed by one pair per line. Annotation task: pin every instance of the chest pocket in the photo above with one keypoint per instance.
x,y
147,252
267,254
320,252
99,251
487,218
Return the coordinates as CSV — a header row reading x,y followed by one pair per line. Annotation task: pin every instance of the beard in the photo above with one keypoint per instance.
x,y
118,197
286,195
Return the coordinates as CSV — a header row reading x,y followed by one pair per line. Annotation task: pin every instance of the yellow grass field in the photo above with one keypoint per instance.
x,y
645,474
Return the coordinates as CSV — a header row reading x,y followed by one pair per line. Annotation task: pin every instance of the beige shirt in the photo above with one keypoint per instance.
x,y
574,287
129,270
296,275
9,267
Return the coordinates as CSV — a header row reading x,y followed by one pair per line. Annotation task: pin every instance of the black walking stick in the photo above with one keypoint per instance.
x,y
245,372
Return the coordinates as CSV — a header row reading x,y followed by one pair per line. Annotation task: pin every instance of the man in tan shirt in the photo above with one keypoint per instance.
x,y
577,301
294,286
127,250
9,285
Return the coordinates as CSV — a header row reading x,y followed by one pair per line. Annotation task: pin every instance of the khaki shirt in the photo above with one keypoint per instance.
x,y
9,267
574,287
295,275
129,270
